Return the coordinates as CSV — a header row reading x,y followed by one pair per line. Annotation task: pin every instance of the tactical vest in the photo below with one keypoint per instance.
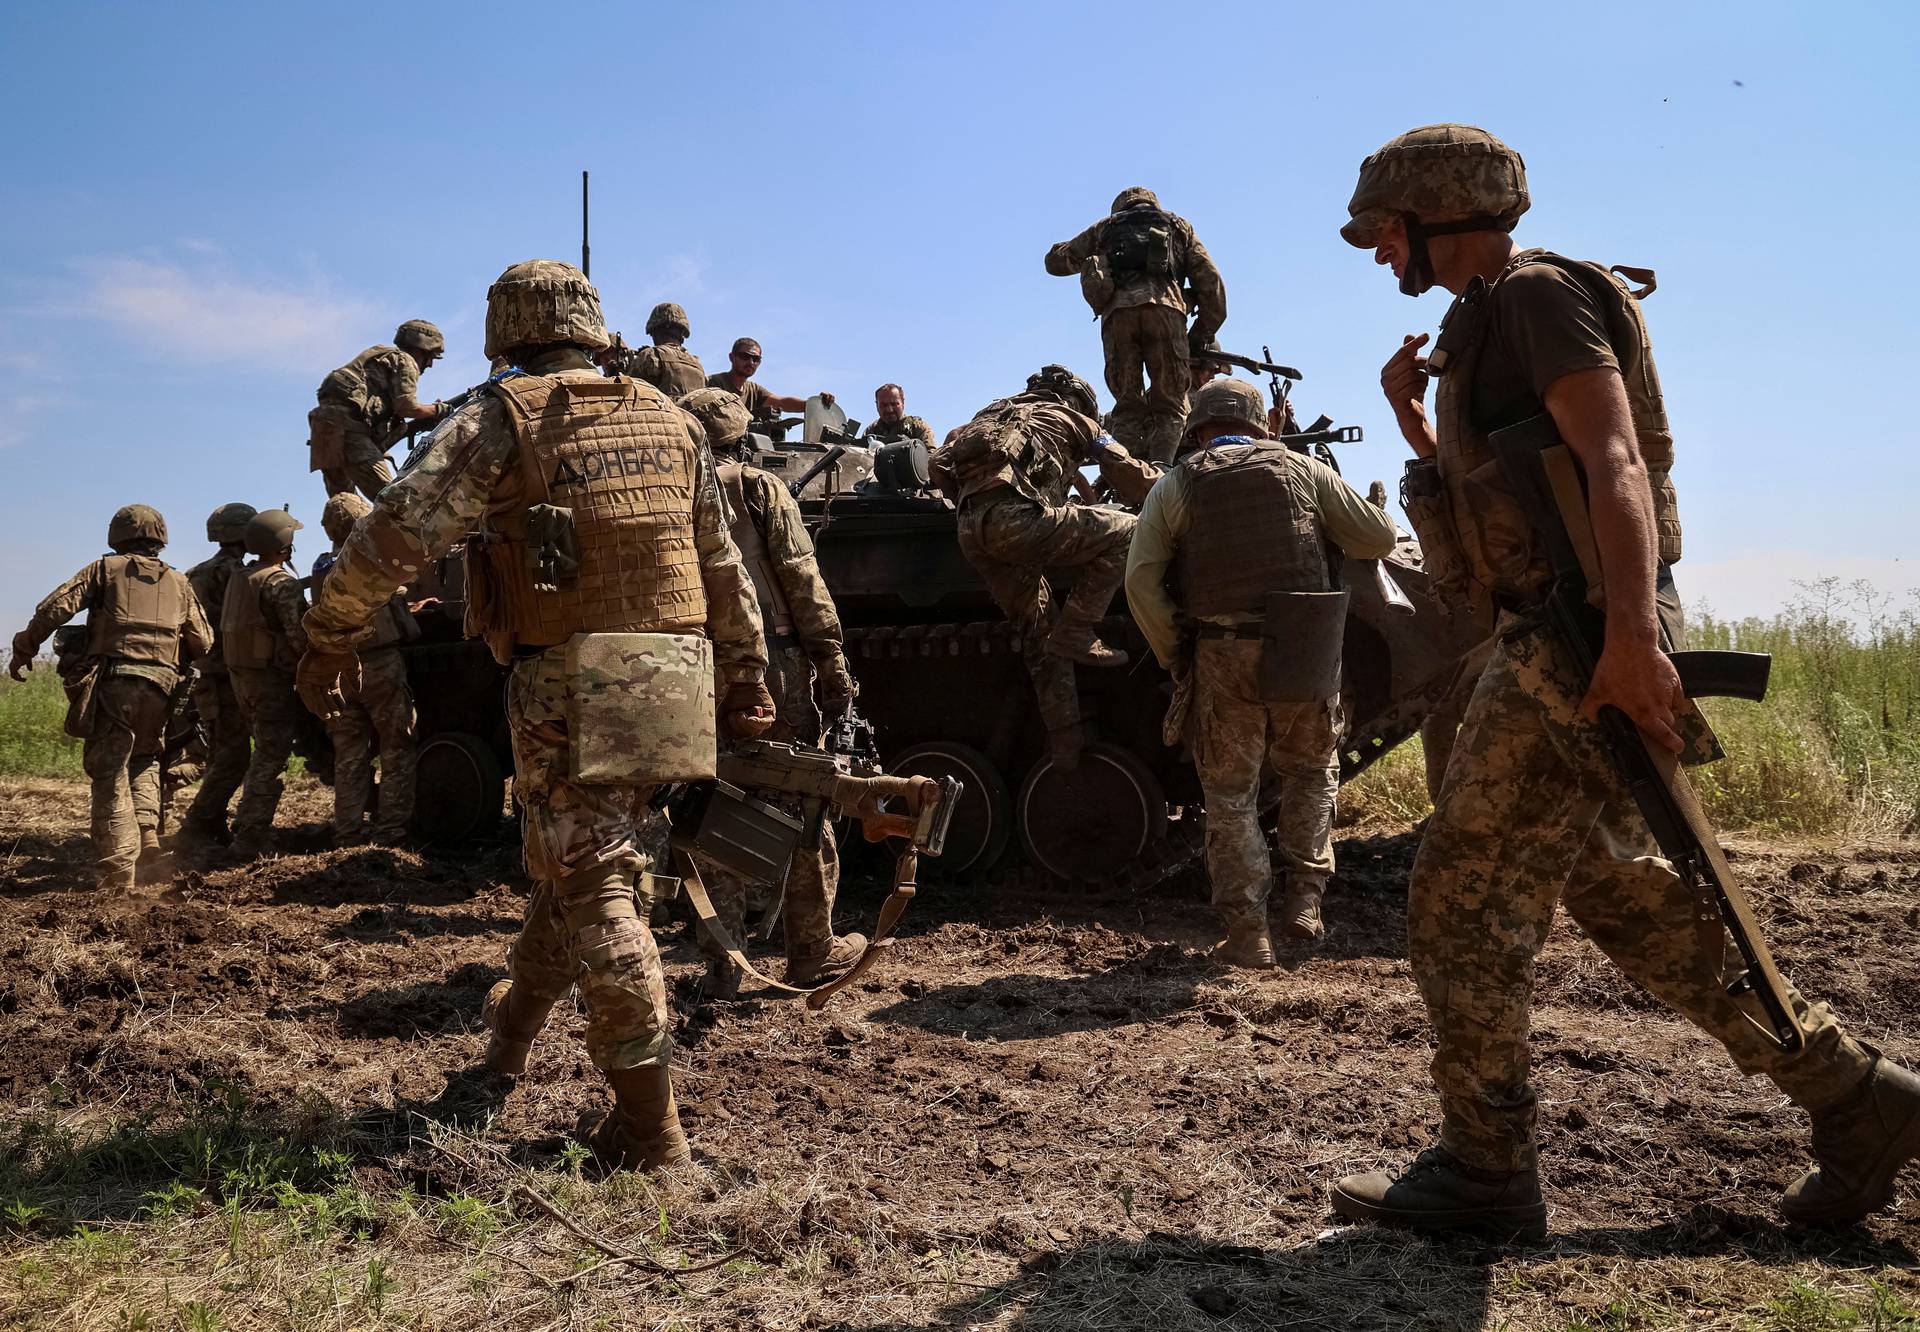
x,y
618,457
1497,541
247,638
209,580
750,535
892,432
676,371
362,385
1251,529
1138,242
142,605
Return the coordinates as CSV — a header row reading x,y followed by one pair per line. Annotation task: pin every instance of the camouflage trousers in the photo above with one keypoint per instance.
x,y
1441,726
813,876
227,750
1150,339
1532,814
122,759
1236,736
379,714
585,847
1010,541
273,713
366,469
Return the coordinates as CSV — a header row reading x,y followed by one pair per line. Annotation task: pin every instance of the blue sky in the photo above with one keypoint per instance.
x,y
210,206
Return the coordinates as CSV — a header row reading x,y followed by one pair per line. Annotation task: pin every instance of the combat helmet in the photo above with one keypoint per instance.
x,y
1063,384
1134,194
668,315
417,335
227,524
720,413
1234,401
1441,179
543,301
341,513
271,531
134,524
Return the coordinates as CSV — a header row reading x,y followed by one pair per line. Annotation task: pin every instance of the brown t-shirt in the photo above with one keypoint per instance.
x,y
753,393
1542,323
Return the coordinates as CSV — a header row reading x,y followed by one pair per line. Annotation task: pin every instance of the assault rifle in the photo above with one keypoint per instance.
x,y
407,430
1543,476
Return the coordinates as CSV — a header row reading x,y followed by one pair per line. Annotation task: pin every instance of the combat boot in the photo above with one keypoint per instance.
x,y
829,964
720,982
115,881
642,1131
247,846
1246,945
149,844
513,1022
1084,647
194,838
1861,1143
1440,1192
1300,910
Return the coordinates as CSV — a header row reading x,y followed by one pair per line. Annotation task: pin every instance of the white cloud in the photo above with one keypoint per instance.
x,y
206,313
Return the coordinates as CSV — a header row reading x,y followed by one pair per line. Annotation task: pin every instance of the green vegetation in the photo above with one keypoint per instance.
x,y
33,713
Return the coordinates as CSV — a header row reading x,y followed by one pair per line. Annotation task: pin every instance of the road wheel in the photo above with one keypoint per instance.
x,y
1090,823
459,789
982,824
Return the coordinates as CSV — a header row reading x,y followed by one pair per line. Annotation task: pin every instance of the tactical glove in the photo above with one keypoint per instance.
x,y
746,710
838,688
322,679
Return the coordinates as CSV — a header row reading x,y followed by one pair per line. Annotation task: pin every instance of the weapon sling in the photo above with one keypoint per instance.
x,y
1544,479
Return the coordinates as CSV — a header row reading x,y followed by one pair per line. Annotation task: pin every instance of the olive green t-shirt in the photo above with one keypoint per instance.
x,y
1543,323
753,393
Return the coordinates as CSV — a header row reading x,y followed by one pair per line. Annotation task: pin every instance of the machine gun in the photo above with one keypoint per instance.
x,y
1543,476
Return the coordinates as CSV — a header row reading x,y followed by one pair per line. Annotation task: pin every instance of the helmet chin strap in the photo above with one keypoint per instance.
x,y
1419,276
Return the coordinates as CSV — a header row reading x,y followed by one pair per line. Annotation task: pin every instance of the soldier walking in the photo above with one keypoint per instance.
x,y
205,823
261,642
377,715
1531,812
1142,270
667,364
1247,518
804,653
366,404
527,463
143,625
1008,470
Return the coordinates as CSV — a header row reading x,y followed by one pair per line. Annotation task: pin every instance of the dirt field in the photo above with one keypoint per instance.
x,y
251,1100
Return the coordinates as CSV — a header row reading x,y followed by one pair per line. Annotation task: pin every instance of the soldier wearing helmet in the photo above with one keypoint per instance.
x,y
1531,813
743,363
376,715
604,490
806,674
667,364
1142,270
891,424
143,628
261,642
367,404
1008,470
1242,518
219,711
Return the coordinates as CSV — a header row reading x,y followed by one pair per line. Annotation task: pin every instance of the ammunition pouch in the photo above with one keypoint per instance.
x,y
1096,285
326,439
725,826
640,708
1423,497
1300,641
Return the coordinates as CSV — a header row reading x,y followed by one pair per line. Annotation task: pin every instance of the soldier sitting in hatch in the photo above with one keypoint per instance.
x,y
891,424
742,363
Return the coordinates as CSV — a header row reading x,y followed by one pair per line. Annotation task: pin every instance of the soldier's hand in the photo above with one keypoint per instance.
x,y
19,665
1403,379
322,679
838,688
1641,682
747,709
826,397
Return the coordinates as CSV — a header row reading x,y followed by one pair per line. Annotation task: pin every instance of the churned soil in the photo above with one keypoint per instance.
x,y
1046,1108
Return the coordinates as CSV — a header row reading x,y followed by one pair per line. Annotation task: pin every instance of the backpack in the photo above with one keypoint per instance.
x,y
1138,242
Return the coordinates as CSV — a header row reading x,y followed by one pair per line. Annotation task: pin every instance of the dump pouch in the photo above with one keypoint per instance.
x,y
1300,641
1424,499
553,548
79,674
640,709
326,439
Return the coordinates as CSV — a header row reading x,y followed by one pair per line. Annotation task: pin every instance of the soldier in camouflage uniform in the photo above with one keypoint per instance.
x,y
555,455
1245,517
1531,811
365,406
667,364
743,362
261,642
226,730
378,711
891,424
1008,470
143,626
1141,270
802,631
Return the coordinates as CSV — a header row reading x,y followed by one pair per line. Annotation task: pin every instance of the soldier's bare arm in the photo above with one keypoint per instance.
x,y
1633,674
1070,256
1403,379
